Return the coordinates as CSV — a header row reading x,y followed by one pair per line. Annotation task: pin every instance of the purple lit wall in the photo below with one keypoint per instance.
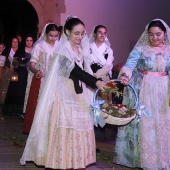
x,y
125,19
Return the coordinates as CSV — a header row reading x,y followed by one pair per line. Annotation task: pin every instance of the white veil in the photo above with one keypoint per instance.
x,y
85,48
42,36
97,57
143,40
41,39
61,65
92,38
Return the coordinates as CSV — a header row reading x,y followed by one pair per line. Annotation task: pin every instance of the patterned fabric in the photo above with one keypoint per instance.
x,y
60,151
76,152
146,144
41,54
67,147
62,134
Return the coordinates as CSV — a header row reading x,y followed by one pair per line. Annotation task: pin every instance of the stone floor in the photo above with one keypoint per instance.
x,y
12,142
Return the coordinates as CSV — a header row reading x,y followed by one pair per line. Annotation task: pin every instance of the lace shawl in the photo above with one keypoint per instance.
x,y
143,42
98,56
41,54
61,65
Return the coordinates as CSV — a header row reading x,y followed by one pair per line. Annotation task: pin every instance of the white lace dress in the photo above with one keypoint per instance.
x,y
62,134
41,54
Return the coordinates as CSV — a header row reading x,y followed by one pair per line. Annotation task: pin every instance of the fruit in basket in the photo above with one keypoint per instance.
x,y
117,110
115,114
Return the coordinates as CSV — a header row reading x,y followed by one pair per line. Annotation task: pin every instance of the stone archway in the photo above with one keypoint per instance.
x,y
28,16
17,17
48,10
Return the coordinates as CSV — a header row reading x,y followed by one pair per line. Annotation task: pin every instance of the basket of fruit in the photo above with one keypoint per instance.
x,y
115,114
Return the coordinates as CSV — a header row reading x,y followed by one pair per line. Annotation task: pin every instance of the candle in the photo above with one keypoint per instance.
x,y
14,77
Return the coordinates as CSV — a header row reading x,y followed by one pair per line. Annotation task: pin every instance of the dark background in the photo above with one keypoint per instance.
x,y
17,17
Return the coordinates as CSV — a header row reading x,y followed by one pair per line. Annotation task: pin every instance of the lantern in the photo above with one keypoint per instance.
x,y
14,77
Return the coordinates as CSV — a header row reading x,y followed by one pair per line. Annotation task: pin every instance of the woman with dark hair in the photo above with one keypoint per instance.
x,y
101,53
145,142
14,100
41,56
20,38
62,134
9,52
7,72
101,62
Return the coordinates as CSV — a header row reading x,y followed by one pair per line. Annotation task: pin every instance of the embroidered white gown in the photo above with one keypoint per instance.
x,y
62,134
41,54
146,144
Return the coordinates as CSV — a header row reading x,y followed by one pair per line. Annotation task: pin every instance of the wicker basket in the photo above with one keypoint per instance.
x,y
110,119
115,120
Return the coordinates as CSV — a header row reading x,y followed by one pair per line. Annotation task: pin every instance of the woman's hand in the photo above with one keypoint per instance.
x,y
100,85
39,74
124,79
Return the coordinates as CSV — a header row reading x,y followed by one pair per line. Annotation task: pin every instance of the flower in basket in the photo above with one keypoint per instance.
x,y
112,88
116,110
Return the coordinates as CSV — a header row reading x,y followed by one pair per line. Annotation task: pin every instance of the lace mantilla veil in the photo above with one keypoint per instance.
x,y
143,40
62,63
42,36
30,73
91,38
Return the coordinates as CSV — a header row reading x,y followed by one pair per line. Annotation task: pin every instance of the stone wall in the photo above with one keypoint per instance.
x,y
48,11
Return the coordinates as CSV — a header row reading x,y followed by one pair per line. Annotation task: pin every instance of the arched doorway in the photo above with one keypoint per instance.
x,y
17,17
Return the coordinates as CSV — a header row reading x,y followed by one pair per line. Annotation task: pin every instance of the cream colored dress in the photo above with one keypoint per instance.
x,y
41,54
62,134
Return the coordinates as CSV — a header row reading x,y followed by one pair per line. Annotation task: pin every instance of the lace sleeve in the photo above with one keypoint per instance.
x,y
127,71
35,54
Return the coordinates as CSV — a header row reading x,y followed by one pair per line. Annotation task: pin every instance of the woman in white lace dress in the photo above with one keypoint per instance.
x,y
41,56
62,134
146,143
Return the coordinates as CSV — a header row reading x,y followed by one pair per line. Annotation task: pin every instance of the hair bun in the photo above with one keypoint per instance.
x,y
70,17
